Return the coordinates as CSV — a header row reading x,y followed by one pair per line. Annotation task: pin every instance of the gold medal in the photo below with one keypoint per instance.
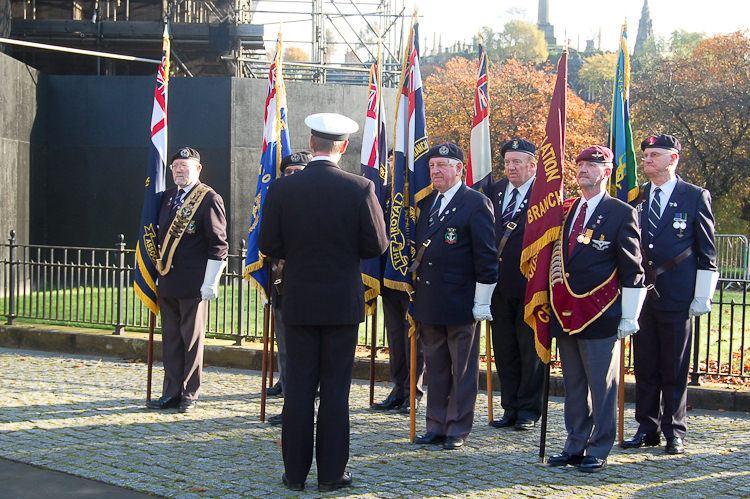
x,y
579,238
587,236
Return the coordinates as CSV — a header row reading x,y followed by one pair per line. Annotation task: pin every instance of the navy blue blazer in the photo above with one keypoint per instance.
x,y
677,285
461,253
204,239
510,281
615,223
322,220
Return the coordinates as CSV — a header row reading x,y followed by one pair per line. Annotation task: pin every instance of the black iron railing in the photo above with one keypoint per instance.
x,y
94,286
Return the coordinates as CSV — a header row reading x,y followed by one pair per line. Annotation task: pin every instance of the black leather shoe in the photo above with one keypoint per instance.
x,y
429,438
274,391
276,419
452,443
675,446
164,403
406,408
524,424
391,402
564,459
188,405
641,440
291,485
344,481
591,464
504,422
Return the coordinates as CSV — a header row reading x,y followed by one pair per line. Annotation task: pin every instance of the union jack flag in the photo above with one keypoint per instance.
x,y
374,166
147,248
479,169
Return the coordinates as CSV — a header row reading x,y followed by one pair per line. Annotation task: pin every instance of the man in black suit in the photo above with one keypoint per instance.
x,y
290,164
193,240
518,365
679,255
322,221
456,273
395,306
596,291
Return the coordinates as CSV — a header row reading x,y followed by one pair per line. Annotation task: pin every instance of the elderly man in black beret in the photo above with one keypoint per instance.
x,y
193,239
456,271
290,164
596,291
518,365
679,256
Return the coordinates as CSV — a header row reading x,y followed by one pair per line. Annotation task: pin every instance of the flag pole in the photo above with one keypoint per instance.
x,y
150,354
621,394
271,341
413,386
545,407
264,359
373,343
488,356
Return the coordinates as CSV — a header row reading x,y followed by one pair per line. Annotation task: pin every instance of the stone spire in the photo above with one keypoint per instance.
x,y
644,41
544,25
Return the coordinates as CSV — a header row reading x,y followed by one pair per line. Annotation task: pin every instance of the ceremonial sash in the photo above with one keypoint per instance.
x,y
576,311
184,216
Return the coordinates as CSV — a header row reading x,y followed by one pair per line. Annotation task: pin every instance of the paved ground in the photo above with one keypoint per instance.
x,y
85,416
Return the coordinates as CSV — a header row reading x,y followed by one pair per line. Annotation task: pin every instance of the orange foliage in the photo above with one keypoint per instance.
x,y
520,96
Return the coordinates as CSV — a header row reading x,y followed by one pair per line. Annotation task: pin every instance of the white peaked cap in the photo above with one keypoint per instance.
x,y
331,126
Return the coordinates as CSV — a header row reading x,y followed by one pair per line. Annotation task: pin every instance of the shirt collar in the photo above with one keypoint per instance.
x,y
666,188
522,190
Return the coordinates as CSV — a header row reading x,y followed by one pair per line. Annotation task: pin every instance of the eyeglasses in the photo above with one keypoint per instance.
x,y
179,166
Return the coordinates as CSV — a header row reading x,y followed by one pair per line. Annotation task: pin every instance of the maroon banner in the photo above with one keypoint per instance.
x,y
545,215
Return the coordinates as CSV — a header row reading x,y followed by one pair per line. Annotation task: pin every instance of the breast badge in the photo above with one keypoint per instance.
x,y
600,244
451,235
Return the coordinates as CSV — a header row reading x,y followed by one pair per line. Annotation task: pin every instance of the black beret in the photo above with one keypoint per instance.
x,y
187,153
662,142
596,154
296,158
446,150
519,145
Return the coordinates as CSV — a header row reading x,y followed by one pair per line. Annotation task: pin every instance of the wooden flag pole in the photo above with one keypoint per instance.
x,y
150,354
413,387
488,356
621,394
545,406
264,359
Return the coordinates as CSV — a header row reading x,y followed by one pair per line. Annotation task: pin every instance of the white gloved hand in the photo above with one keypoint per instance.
x,y
705,285
632,302
627,327
482,299
210,287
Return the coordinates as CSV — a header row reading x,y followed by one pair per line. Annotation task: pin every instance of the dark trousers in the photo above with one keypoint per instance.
x,y
317,355
452,357
518,365
395,305
590,374
183,332
280,334
662,363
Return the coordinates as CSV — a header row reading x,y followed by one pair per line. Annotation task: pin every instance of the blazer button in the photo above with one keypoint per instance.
x,y
427,282
171,266
418,278
567,274
500,259
429,264
650,246
650,262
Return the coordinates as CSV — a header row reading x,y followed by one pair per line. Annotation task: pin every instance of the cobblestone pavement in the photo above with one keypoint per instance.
x,y
86,416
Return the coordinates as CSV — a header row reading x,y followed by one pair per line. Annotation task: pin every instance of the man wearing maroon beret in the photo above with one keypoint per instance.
x,y
679,256
596,291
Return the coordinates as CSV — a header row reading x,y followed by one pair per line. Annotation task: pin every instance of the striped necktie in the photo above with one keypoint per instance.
x,y
511,208
654,213
176,202
435,211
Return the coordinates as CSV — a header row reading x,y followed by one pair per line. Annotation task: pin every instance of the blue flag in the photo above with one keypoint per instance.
x,y
275,147
411,173
147,248
374,166
624,180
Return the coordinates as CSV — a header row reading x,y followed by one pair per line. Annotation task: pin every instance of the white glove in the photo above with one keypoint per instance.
x,y
482,299
632,302
705,285
210,287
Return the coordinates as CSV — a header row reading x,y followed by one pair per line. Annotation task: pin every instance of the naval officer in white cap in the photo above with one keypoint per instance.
x,y
322,221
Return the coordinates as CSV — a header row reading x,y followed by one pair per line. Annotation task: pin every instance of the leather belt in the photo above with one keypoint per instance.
x,y
653,273
420,254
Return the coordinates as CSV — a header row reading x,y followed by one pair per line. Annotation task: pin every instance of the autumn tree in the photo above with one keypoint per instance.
x,y
704,100
596,78
520,96
519,40
295,54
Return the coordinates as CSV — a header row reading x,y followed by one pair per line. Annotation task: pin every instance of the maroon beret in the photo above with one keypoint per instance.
x,y
596,154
